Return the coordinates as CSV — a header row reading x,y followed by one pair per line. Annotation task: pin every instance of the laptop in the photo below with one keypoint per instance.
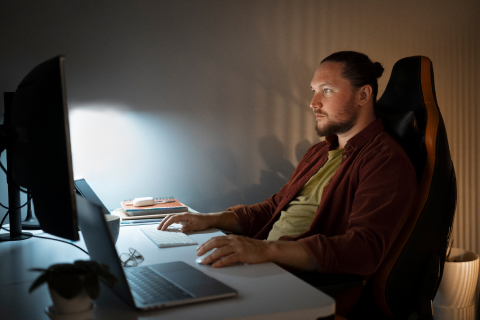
x,y
188,284
83,188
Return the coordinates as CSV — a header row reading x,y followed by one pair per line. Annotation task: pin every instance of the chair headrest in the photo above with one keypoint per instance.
x,y
403,111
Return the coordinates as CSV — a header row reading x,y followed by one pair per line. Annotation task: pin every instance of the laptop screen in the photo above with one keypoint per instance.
x,y
82,188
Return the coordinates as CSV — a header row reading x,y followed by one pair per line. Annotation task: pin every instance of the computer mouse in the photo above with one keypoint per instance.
x,y
143,202
199,260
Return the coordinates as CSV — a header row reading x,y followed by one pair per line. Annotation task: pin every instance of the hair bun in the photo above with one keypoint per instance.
x,y
378,69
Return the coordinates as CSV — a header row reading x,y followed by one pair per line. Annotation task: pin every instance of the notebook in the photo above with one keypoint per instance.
x,y
193,284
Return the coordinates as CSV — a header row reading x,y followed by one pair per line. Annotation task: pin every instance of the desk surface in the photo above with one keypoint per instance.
x,y
265,291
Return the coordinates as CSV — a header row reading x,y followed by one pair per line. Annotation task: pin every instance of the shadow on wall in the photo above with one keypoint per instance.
x,y
229,80
276,174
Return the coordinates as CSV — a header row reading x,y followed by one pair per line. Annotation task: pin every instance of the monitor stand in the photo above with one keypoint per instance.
x,y
15,214
30,222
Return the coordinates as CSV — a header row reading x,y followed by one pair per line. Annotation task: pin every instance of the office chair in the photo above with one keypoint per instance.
x,y
406,282
408,278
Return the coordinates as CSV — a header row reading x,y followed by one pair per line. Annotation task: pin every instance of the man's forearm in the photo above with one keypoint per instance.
x,y
226,221
291,254
285,253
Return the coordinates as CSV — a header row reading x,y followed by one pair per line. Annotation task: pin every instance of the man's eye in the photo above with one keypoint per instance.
x,y
327,90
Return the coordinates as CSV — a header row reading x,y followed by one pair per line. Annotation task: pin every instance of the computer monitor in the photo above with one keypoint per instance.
x,y
38,149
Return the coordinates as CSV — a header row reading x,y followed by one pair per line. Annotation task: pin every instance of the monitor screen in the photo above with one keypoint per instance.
x,y
40,147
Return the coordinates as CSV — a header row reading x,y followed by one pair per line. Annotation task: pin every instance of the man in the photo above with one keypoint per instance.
x,y
346,200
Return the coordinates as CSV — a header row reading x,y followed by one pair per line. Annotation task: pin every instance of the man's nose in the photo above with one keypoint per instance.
x,y
316,102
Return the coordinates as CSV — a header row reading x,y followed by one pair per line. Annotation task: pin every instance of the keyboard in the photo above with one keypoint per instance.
x,y
172,237
152,287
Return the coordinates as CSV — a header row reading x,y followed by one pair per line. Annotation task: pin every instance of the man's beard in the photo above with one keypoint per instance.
x,y
335,127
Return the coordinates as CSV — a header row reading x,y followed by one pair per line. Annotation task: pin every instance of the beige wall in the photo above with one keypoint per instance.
x,y
225,85
448,32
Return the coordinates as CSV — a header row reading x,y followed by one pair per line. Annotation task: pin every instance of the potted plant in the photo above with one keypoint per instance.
x,y
72,286
459,281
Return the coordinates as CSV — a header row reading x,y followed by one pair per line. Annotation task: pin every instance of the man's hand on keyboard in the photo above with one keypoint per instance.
x,y
200,221
189,221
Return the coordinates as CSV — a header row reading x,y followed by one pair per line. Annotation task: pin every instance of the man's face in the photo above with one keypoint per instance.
x,y
333,100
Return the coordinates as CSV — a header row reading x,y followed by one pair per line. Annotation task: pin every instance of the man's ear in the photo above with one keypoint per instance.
x,y
365,94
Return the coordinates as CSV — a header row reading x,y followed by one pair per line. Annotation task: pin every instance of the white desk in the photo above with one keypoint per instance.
x,y
265,291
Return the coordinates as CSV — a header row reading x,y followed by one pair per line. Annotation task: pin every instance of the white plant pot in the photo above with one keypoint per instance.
x,y
459,280
80,303
466,313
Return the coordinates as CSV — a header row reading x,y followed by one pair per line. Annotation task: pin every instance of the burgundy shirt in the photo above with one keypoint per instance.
x,y
362,209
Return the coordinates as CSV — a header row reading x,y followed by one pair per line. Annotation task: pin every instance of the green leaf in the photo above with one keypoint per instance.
x,y
92,286
69,279
66,268
67,285
38,282
108,278
87,264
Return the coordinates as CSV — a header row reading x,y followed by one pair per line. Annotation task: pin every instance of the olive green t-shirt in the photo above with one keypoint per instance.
x,y
298,214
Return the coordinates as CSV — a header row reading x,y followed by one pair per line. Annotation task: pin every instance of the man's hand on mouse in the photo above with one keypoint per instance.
x,y
232,248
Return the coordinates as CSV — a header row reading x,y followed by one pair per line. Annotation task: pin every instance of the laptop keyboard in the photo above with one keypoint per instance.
x,y
165,239
152,287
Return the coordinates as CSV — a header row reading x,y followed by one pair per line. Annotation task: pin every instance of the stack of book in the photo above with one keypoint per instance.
x,y
155,211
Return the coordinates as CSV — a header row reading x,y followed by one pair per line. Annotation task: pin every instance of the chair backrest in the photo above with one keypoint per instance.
x,y
412,269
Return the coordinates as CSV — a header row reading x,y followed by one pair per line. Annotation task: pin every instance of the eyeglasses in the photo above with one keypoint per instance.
x,y
132,259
